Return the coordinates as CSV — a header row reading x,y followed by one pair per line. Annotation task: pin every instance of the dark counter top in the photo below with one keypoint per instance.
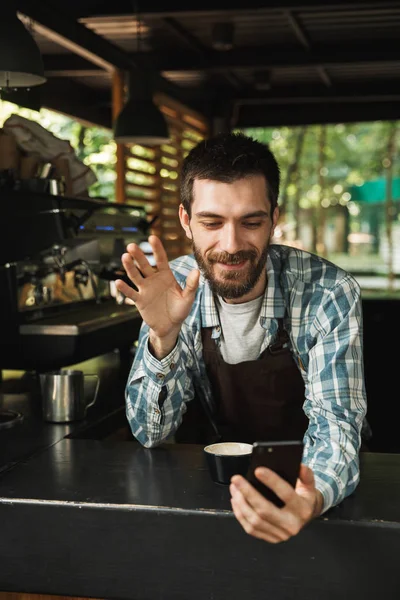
x,y
110,519
172,476
19,392
115,520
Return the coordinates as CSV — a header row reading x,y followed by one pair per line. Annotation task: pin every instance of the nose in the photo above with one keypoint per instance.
x,y
230,239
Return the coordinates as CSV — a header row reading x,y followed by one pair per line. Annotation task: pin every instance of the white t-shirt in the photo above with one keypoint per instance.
x,y
242,334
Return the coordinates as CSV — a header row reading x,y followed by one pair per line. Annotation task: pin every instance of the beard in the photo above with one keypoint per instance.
x,y
232,284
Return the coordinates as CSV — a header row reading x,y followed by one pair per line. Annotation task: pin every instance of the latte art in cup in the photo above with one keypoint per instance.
x,y
229,448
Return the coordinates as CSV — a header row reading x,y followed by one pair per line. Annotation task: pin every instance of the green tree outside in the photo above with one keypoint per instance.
x,y
94,146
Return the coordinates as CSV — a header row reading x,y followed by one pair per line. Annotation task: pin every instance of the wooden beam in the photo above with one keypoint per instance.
x,y
317,93
176,8
58,65
243,58
310,114
191,40
196,45
298,29
58,26
118,101
324,76
77,101
300,33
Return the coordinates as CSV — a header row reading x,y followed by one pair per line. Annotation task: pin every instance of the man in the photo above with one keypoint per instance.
x,y
266,341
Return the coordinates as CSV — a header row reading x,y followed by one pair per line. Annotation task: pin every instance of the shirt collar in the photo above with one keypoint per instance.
x,y
273,306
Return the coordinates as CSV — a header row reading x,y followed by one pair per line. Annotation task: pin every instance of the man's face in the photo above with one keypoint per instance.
x,y
230,229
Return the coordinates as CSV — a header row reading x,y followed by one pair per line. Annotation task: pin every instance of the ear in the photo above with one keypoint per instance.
x,y
185,221
275,217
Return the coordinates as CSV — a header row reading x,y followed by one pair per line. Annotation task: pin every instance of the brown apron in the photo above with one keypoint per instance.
x,y
255,400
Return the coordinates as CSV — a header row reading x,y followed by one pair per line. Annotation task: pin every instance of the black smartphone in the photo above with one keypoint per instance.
x,y
282,457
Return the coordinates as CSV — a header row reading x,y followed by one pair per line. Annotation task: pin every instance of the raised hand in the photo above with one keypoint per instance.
x,y
162,303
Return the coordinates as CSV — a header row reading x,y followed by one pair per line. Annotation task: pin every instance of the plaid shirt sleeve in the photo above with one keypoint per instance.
x,y
335,393
157,391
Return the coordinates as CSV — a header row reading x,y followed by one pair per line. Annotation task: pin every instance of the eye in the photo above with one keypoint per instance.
x,y
252,224
211,224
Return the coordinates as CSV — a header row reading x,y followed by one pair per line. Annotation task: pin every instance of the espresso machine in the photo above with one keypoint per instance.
x,y
59,258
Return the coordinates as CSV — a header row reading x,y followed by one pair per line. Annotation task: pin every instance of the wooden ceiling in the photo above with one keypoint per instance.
x,y
291,61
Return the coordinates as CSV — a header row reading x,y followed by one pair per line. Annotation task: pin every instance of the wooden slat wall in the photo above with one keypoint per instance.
x,y
152,174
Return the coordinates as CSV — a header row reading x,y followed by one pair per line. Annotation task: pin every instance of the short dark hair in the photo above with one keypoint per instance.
x,y
228,157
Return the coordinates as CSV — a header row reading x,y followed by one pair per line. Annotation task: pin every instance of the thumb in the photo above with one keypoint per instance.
x,y
192,283
306,476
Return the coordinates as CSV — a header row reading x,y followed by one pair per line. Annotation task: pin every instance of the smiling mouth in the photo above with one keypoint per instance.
x,y
233,267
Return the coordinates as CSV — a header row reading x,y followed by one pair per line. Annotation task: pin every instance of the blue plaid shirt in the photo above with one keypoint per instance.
x,y
321,309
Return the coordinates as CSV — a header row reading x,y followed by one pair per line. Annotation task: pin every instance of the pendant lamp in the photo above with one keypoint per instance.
x,y
20,59
140,121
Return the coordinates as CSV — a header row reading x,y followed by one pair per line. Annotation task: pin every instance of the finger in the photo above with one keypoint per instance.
x,y
268,537
125,289
256,499
192,283
287,522
277,484
305,488
141,261
295,512
160,255
257,521
132,271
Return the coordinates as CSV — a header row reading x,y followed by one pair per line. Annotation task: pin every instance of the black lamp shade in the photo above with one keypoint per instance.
x,y
20,59
141,122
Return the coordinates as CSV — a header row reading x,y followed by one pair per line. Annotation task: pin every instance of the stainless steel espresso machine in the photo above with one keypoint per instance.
x,y
59,258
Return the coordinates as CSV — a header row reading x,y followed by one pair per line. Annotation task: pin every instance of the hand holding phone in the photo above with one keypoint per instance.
x,y
282,457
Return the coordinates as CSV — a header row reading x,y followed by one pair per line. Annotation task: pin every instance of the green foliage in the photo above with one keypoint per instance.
x,y
320,214
354,154
93,146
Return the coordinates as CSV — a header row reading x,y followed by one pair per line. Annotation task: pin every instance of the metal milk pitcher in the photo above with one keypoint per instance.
x,y
63,395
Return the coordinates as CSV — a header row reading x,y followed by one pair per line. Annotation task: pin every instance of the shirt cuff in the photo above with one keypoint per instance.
x,y
330,486
162,371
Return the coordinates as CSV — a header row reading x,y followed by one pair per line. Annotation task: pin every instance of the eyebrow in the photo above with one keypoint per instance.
x,y
210,215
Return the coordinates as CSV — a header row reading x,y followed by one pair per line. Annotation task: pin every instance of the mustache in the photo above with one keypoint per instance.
x,y
232,259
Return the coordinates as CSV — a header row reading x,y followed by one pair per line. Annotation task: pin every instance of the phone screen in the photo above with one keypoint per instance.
x,y
282,457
